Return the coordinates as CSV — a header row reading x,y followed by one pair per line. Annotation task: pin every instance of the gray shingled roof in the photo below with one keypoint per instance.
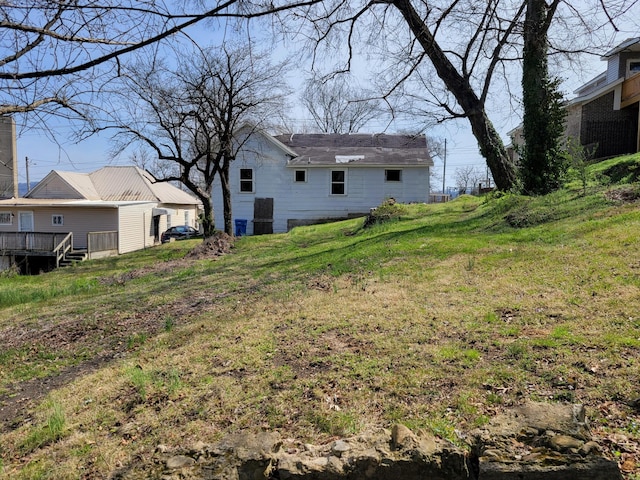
x,y
321,149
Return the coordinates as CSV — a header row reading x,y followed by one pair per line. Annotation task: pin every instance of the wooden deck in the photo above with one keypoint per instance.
x,y
41,244
58,247
630,91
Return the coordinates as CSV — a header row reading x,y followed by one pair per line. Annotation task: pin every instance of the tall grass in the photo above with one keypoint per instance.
x,y
18,290
50,431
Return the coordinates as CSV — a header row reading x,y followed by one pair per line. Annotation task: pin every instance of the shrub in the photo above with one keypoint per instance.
x,y
388,210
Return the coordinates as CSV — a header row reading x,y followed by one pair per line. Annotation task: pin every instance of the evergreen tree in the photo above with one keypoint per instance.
x,y
543,165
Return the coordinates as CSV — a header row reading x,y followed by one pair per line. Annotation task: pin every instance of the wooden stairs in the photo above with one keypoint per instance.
x,y
73,256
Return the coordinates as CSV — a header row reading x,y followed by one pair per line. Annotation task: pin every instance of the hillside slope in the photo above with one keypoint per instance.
x,y
437,318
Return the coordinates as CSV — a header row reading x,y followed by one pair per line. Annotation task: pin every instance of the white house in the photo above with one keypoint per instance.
x,y
281,182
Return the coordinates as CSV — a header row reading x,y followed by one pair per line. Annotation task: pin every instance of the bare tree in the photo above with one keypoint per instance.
x,y
56,54
189,116
468,176
453,51
460,43
337,106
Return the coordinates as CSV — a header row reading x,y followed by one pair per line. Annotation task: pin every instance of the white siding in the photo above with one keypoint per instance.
x,y
613,67
135,230
311,200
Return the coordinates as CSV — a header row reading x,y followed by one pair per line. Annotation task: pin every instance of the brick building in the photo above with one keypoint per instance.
x,y
605,113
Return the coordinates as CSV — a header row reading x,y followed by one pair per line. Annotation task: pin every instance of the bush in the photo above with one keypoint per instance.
x,y
388,210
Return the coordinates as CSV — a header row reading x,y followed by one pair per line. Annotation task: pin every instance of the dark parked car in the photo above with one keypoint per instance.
x,y
179,232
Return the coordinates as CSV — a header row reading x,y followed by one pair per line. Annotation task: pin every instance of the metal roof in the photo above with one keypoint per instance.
x,y
81,183
121,184
323,149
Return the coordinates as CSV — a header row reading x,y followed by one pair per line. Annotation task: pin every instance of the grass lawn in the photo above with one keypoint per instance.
x,y
438,318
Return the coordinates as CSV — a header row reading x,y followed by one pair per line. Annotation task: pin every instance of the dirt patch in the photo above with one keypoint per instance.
x,y
106,335
219,244
626,194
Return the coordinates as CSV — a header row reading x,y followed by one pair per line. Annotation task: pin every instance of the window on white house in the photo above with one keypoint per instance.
x,y
246,180
186,217
338,181
393,175
300,175
6,218
57,220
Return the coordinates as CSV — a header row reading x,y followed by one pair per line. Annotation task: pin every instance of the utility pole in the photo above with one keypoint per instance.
x,y
444,167
26,161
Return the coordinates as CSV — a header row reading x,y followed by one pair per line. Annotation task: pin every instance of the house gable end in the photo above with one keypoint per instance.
x,y
57,186
259,137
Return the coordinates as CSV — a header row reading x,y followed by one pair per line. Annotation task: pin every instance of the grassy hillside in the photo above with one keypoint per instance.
x,y
437,319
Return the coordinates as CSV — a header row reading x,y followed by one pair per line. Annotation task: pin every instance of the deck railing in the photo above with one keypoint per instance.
x,y
33,241
63,247
54,244
102,241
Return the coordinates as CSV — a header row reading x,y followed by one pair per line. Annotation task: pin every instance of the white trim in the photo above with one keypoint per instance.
x,y
253,181
28,213
306,175
344,182
596,93
628,72
617,97
10,217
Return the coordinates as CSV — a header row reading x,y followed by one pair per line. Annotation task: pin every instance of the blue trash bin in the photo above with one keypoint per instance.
x,y
241,227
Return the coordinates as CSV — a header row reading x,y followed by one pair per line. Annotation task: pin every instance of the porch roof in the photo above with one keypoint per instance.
x,y
66,203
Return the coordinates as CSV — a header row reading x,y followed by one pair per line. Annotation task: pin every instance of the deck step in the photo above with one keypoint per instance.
x,y
73,257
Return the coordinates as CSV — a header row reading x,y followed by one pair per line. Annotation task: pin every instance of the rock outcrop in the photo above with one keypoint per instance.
x,y
533,442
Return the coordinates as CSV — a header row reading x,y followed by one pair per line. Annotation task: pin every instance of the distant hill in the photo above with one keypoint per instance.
x,y
23,188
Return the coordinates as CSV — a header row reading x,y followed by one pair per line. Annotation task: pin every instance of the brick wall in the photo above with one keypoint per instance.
x,y
614,131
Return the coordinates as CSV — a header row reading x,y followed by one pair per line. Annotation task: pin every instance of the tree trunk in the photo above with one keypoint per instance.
x,y
534,68
226,199
491,146
543,119
208,223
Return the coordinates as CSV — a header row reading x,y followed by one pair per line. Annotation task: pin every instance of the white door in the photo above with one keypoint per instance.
x,y
25,221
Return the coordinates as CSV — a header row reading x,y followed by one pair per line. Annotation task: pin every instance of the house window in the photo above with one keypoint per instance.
x,y
393,175
246,180
338,180
633,67
300,175
57,220
6,218
186,217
